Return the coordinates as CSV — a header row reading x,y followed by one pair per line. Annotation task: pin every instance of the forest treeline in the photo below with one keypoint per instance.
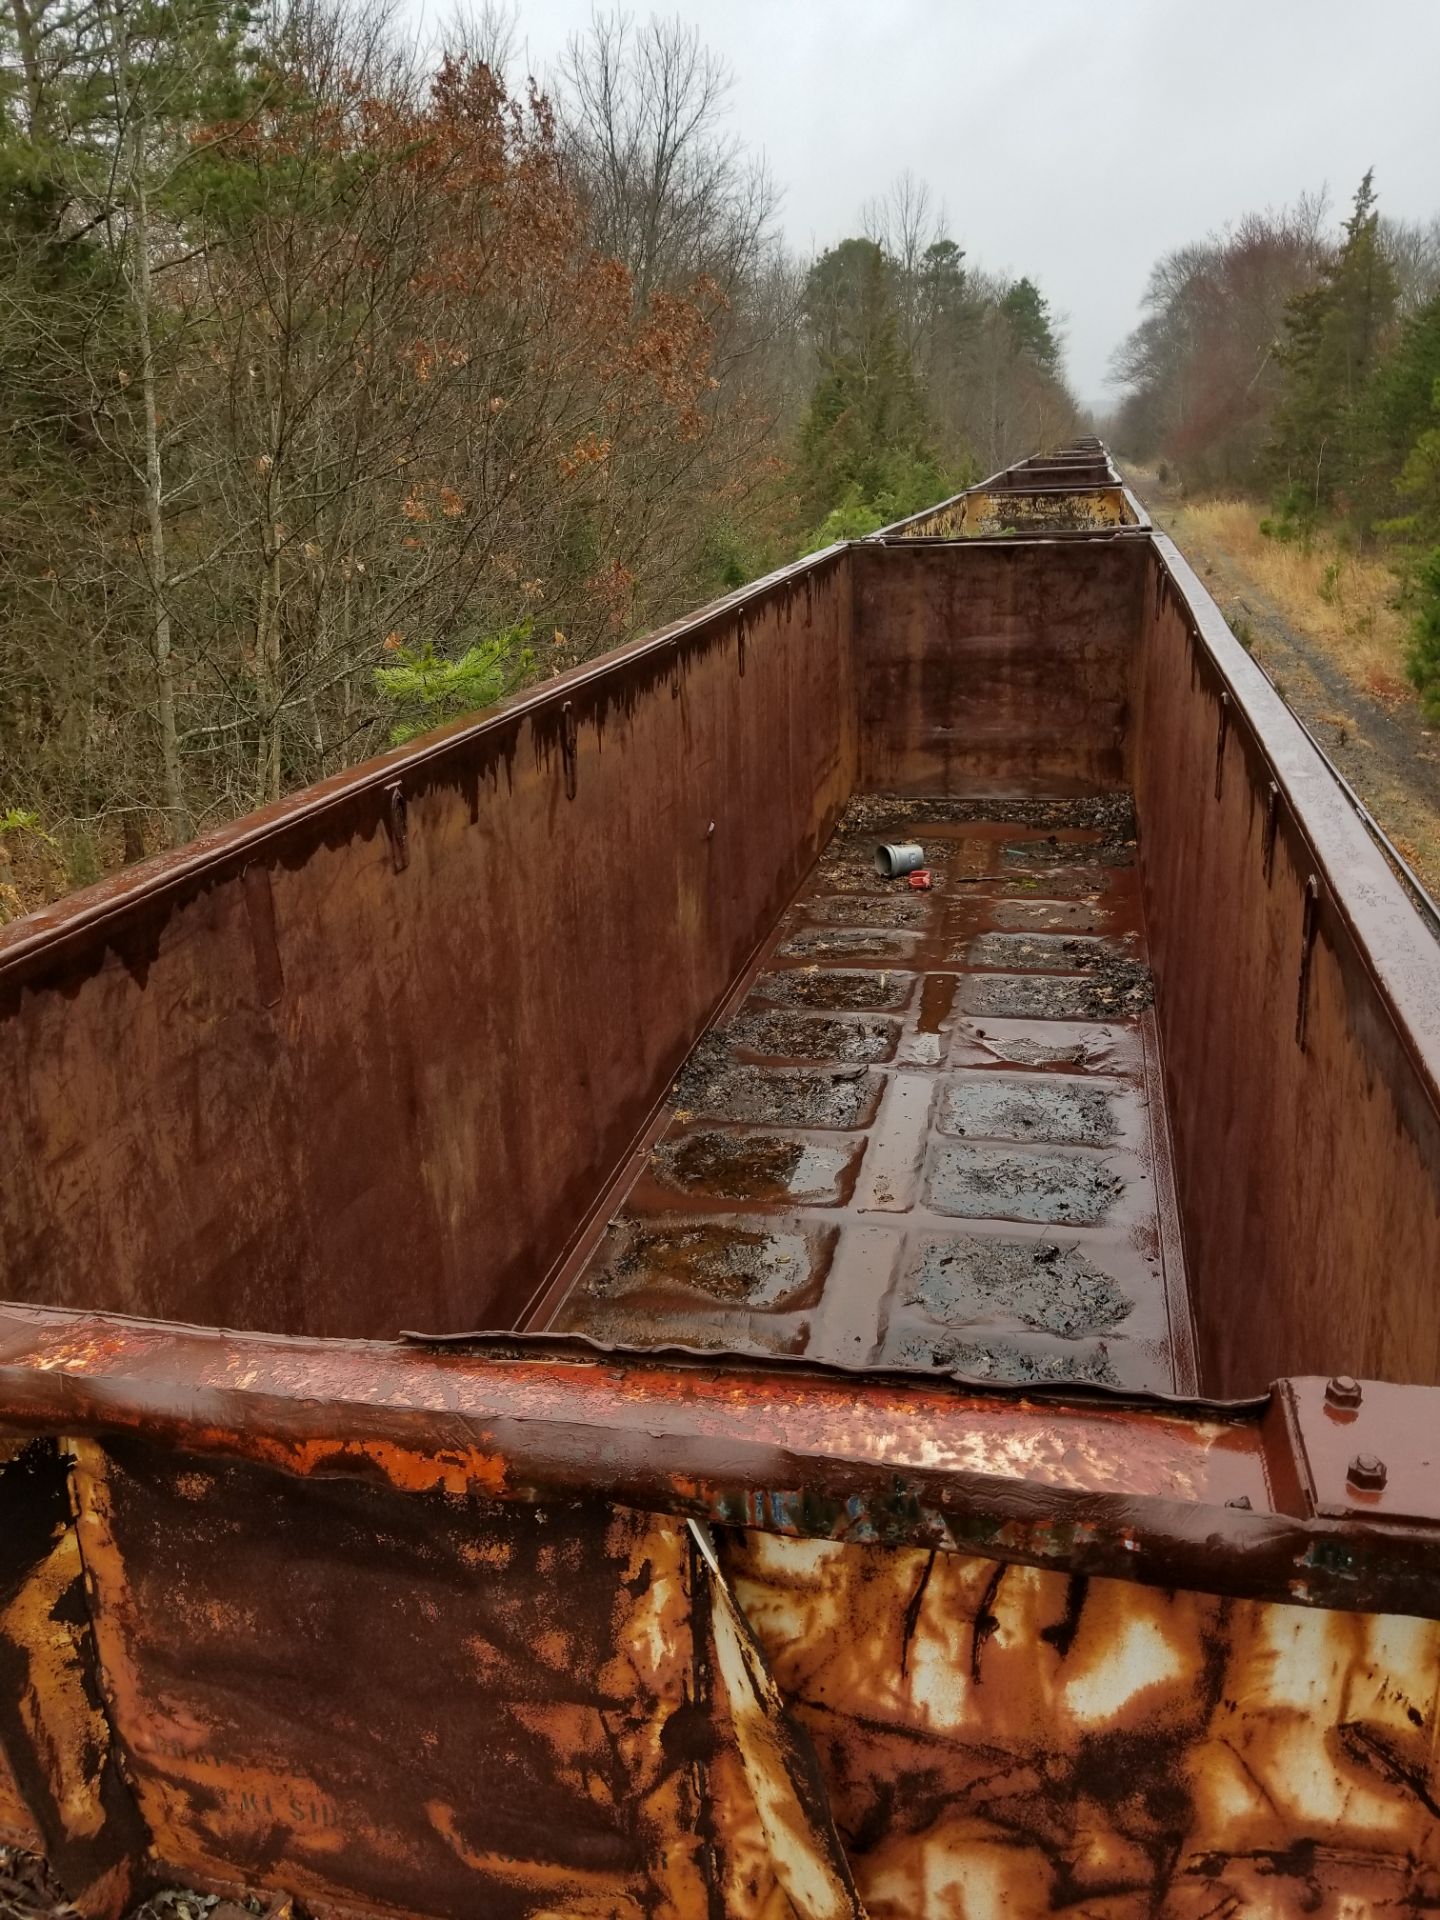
x,y
345,392
1301,364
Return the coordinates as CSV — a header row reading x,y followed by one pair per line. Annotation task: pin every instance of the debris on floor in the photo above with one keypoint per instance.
x,y
929,1137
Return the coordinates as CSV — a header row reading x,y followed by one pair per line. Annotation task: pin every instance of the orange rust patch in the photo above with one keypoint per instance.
x,y
512,1676
17,1826
998,1738
61,1720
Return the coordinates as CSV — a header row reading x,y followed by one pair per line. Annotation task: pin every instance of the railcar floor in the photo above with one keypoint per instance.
x,y
933,1135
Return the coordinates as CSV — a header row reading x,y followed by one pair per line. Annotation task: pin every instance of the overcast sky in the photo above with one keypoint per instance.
x,y
1069,140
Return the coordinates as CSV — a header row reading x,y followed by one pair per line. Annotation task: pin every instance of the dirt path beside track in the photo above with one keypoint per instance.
x,y
1382,747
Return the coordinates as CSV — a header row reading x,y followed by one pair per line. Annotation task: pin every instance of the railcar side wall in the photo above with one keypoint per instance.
x,y
1298,995
999,667
369,1064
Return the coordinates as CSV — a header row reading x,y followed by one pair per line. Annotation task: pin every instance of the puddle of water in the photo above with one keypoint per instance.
x,y
621,1325
993,1183
887,910
732,1264
999,1358
1065,853
812,1036
981,1106
833,988
936,998
1079,916
751,1166
1064,883
1039,1283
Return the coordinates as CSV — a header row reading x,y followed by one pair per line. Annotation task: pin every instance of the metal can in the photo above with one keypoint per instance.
x,y
894,859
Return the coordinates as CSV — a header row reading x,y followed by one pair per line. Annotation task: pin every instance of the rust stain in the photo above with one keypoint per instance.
x,y
59,1721
789,1802
1062,509
541,1629
1025,1744
60,1788
519,1683
17,1824
1097,1483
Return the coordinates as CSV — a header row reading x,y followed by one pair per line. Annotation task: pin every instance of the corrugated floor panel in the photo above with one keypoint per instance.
x,y
933,1134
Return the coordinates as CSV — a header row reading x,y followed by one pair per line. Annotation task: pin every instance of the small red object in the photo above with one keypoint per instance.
x,y
920,879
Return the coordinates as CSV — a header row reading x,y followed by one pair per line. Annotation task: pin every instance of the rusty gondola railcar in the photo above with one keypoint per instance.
x,y
572,1350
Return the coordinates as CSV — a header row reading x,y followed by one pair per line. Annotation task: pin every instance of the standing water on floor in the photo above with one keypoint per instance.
x,y
932,1137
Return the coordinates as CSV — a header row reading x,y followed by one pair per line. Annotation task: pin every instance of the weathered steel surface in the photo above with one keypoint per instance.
x,y
1087,1482
540,1627
262,1116
941,1145
996,668
17,1823
1065,508
444,1703
421,1703
777,1845
997,1739
1079,464
61,1788
1307,1145
1365,1447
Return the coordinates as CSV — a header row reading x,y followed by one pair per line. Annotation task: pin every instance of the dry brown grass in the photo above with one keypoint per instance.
x,y
1342,599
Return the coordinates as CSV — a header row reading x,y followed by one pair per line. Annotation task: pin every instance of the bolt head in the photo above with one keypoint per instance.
x,y
1342,1391
1367,1470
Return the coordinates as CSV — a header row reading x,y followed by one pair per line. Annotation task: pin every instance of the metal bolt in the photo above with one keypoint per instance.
x,y
1342,1391
1367,1470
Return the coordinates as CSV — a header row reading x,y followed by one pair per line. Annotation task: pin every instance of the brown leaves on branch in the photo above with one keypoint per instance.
x,y
394,388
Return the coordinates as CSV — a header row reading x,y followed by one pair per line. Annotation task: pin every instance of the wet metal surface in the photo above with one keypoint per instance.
x,y
997,668
997,1740
1258,873
730,1602
580,1711
258,1118
743,1165
1003,1135
1085,1481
